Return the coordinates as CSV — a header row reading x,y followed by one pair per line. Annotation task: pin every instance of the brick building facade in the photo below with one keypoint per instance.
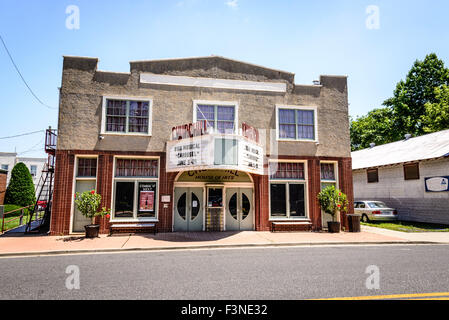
x,y
3,178
257,151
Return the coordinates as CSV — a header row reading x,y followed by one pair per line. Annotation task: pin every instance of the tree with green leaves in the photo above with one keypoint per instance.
x,y
20,190
411,96
375,127
419,105
436,117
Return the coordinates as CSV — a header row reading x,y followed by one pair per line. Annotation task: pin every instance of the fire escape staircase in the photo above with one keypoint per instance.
x,y
45,187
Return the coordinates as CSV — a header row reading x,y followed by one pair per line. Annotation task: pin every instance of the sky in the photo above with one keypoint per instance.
x,y
374,43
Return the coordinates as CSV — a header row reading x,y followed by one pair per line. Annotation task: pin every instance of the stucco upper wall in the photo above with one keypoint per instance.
x,y
212,67
83,88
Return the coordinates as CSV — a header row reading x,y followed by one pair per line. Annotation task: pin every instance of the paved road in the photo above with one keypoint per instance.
x,y
264,273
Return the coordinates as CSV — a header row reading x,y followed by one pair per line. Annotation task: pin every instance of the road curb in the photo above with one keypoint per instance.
x,y
202,247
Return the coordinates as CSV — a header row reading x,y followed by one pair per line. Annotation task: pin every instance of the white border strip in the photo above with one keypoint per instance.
x,y
212,83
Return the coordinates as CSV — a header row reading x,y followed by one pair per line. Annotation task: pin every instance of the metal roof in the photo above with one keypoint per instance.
x,y
430,146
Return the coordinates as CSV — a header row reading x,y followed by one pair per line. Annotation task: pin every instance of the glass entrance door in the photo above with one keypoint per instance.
x,y
214,219
79,221
239,209
188,215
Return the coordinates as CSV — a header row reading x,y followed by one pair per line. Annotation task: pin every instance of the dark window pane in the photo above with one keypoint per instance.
x,y
124,199
138,109
147,200
116,116
233,206
215,197
246,206
411,171
181,206
87,167
373,176
138,125
116,124
297,202
116,108
278,200
327,171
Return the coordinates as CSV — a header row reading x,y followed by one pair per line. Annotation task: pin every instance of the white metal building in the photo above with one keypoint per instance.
x,y
9,159
411,175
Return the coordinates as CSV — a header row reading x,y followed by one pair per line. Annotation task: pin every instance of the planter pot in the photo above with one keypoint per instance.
x,y
334,227
92,231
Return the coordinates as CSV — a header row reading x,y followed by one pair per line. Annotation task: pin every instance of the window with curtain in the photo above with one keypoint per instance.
x,y
220,118
287,190
125,116
328,175
287,170
296,124
136,189
87,167
136,168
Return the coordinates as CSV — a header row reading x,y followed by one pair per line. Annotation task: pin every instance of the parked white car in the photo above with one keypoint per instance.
x,y
374,211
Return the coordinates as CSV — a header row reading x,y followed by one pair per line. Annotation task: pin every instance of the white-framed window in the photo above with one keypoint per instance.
x,y
288,190
135,189
33,170
127,116
296,123
5,167
329,174
221,116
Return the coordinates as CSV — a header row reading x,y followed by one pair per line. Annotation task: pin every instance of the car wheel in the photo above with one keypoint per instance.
x,y
365,218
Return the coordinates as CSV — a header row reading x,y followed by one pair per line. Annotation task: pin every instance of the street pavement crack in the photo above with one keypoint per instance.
x,y
129,237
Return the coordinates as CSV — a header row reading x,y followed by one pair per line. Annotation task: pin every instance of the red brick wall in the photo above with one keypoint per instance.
x,y
63,189
3,176
261,190
63,193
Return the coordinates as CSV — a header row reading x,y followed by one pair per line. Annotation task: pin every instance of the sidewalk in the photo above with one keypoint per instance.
x,y
42,245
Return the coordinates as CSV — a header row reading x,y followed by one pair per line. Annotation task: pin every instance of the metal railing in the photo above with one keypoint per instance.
x,y
20,218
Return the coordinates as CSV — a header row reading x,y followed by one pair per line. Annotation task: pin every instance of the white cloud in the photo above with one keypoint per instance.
x,y
232,4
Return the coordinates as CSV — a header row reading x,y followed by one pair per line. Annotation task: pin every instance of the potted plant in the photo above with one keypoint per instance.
x,y
88,203
333,202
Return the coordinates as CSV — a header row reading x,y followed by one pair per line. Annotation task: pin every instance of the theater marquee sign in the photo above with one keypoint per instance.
x,y
215,151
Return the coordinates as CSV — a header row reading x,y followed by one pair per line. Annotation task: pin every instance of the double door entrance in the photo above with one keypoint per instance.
x,y
214,208
239,209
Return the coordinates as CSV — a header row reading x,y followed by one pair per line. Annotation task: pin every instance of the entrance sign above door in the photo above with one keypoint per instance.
x,y
215,151
214,176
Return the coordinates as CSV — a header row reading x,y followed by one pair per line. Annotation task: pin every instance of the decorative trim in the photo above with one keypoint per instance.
x,y
150,78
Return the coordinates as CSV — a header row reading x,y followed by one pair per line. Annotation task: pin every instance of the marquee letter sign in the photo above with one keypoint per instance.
x,y
198,153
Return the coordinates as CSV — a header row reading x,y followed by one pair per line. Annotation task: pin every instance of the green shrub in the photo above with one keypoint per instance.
x,y
20,190
88,203
332,200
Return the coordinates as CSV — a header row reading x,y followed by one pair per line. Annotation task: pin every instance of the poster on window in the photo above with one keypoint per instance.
x,y
147,196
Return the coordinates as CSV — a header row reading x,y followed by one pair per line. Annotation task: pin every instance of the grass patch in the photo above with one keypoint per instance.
x,y
408,226
15,222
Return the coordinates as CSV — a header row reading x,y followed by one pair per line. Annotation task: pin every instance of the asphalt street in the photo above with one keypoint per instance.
x,y
263,273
